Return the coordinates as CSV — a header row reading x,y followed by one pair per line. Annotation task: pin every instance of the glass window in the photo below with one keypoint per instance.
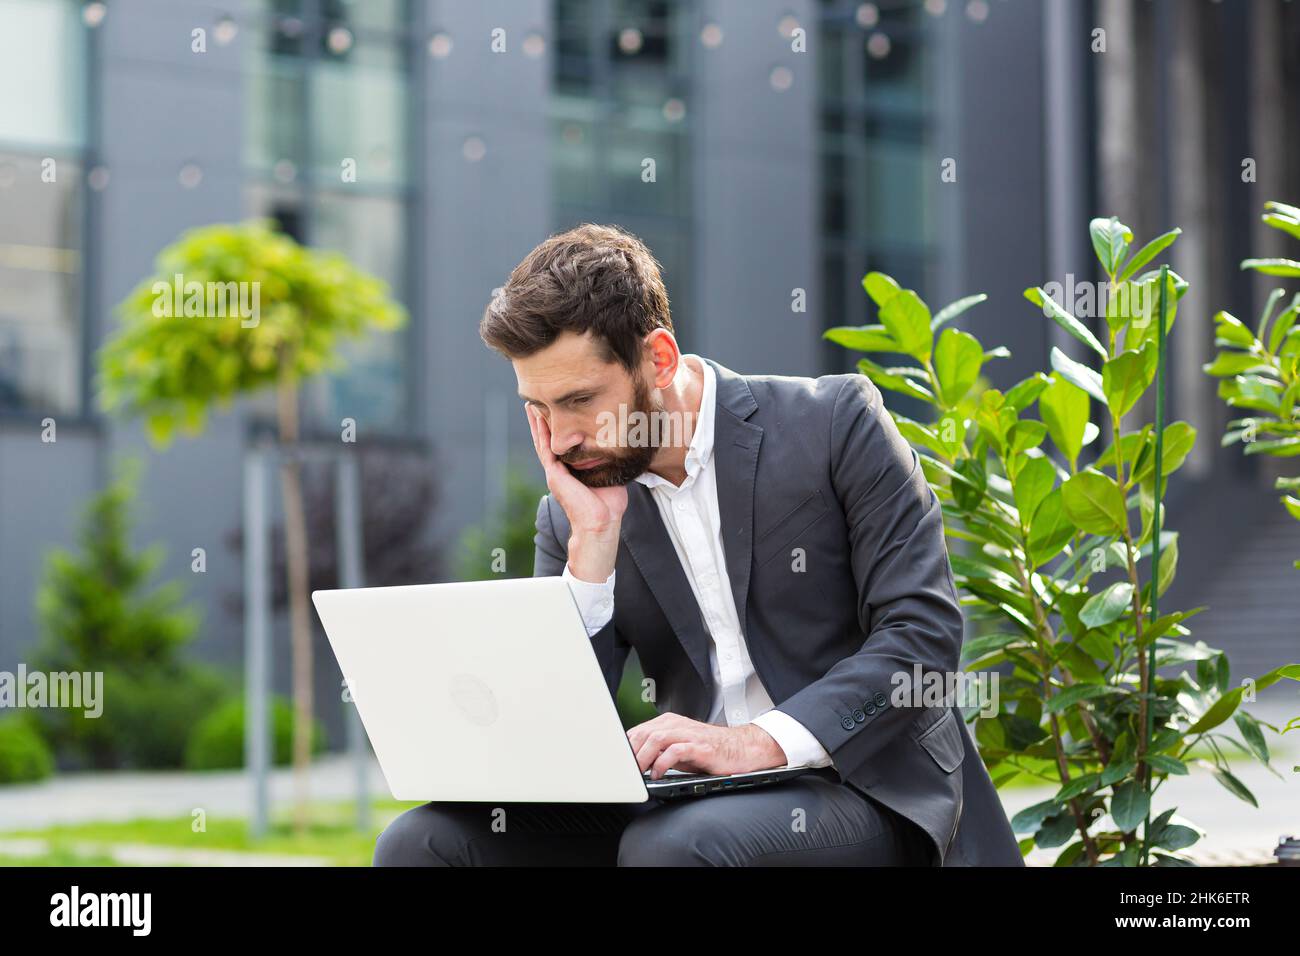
x,y
620,94
877,173
40,273
42,135
329,81
275,117
359,99
41,56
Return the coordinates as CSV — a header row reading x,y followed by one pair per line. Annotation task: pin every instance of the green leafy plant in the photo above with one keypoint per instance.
x,y
1260,370
503,546
100,613
217,742
1055,567
170,364
24,755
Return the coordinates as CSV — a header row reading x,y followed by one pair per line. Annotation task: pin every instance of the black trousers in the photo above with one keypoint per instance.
x,y
812,820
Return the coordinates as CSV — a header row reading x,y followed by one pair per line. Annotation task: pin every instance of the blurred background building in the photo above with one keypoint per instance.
x,y
797,144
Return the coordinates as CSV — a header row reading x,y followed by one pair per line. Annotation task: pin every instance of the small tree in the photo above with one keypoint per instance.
x,y
183,346
99,614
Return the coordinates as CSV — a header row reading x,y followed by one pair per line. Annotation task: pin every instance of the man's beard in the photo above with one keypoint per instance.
x,y
619,466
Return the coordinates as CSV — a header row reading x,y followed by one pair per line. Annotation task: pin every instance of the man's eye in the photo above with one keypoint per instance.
x,y
583,400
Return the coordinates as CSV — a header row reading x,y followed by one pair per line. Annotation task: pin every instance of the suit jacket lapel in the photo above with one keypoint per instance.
x,y
735,449
647,540
736,466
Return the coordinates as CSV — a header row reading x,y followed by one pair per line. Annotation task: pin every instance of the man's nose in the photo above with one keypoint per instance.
x,y
565,439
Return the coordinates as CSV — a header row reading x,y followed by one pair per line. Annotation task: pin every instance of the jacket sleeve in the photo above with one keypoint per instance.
x,y
907,598
549,559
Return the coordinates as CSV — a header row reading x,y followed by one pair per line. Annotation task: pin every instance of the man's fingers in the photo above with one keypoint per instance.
x,y
636,735
554,469
654,744
682,752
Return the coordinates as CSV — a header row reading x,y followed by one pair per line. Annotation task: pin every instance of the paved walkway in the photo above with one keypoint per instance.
x,y
77,798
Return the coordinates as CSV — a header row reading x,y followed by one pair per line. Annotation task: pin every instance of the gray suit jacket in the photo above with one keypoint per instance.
x,y
815,464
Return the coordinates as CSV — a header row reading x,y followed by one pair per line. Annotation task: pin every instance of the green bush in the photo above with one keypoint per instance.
x,y
24,755
217,743
99,613
503,547
1055,554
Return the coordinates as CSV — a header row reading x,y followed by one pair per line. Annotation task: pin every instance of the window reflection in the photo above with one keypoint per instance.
x,y
327,154
41,202
620,95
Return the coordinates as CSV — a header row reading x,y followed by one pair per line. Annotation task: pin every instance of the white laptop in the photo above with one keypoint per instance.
x,y
490,691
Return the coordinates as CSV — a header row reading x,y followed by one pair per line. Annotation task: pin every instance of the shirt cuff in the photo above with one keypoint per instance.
x,y
801,748
595,601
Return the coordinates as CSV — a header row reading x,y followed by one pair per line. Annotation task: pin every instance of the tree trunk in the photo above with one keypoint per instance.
x,y
295,540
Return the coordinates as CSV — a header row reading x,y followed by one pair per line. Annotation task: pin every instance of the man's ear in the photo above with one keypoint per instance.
x,y
664,354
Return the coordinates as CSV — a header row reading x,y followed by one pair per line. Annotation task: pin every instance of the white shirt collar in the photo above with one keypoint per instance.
x,y
701,446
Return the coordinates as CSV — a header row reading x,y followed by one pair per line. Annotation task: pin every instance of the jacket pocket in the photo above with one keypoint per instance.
x,y
783,535
943,742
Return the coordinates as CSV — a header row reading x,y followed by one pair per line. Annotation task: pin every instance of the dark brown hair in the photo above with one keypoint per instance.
x,y
598,279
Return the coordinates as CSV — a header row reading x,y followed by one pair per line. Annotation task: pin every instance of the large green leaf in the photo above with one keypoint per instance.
x,y
1129,805
1149,252
1176,445
969,495
1064,408
862,338
1110,240
1231,783
908,320
1021,395
1077,373
1024,435
1229,330
893,380
1032,483
954,309
880,287
1065,320
1107,606
1288,268
1073,696
1050,530
957,360
1235,363
1125,377
1095,503
1168,562
1223,708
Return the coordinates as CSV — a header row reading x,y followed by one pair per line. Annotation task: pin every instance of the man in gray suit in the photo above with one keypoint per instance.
x,y
771,550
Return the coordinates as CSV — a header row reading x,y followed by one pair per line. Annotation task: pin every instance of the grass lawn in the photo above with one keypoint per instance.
x,y
331,836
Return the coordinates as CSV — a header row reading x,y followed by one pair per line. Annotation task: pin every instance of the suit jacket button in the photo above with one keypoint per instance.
x,y
858,715
847,722
880,699
871,710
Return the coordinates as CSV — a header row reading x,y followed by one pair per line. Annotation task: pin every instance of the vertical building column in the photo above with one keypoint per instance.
x,y
755,162
1193,398
486,203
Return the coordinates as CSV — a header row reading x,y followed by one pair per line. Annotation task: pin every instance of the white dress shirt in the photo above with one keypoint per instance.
x,y
690,514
